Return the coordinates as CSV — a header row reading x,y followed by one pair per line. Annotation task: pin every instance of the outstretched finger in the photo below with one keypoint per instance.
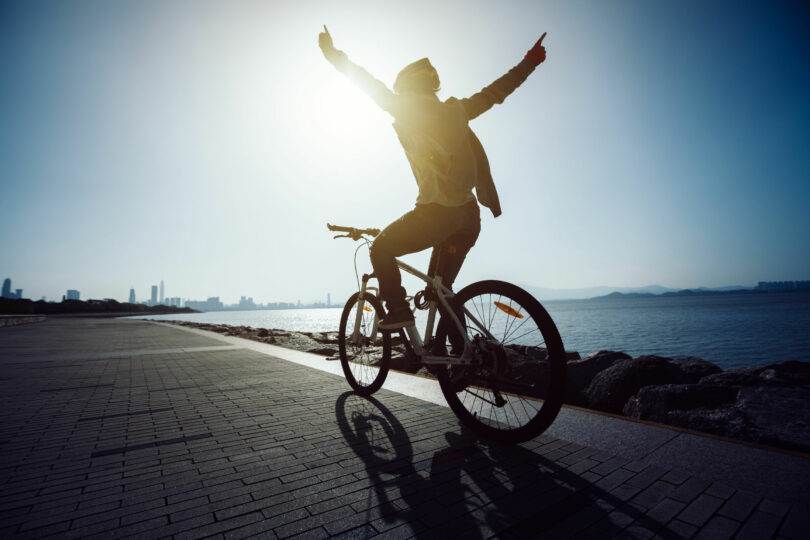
x,y
325,29
540,42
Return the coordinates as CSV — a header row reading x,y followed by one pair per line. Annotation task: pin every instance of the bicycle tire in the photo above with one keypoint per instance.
x,y
533,391
365,363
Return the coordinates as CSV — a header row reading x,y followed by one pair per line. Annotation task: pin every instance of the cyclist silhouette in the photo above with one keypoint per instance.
x,y
447,160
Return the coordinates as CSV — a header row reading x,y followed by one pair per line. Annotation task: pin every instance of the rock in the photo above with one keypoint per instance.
x,y
695,368
330,337
322,337
611,388
732,377
219,328
777,416
790,373
264,332
296,340
582,372
726,421
656,402
400,362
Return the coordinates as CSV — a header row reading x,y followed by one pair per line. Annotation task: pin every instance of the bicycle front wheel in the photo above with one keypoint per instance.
x,y
515,385
365,353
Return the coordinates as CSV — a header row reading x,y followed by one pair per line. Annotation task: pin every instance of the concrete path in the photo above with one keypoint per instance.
x,y
120,428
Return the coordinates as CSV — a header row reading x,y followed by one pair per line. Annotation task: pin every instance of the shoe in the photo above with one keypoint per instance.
x,y
397,319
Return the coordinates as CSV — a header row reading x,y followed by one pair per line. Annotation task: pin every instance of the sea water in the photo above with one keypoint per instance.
x,y
730,330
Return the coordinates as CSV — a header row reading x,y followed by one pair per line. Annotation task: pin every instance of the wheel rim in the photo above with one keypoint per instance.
x,y
496,394
363,354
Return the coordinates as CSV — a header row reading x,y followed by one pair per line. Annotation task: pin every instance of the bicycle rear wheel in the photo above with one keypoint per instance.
x,y
515,385
365,353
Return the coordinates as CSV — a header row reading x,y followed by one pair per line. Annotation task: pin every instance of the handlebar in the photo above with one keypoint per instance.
x,y
351,232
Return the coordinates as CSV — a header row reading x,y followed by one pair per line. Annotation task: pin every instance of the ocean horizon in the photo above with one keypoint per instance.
x,y
730,330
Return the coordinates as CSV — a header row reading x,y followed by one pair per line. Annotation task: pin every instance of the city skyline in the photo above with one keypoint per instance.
x,y
247,302
209,143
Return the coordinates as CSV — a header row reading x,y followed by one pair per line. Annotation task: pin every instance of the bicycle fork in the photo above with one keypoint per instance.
x,y
361,308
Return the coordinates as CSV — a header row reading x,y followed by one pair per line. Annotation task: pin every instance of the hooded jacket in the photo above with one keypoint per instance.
x,y
445,155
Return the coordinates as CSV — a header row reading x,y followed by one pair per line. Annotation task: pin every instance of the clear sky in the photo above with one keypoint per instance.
x,y
208,143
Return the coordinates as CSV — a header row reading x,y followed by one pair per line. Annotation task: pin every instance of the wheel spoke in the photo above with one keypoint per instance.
x,y
364,359
524,387
531,331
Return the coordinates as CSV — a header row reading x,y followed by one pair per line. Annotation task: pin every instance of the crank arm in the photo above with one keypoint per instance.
x,y
444,360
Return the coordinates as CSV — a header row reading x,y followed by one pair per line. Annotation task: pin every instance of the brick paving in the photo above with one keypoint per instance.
x,y
119,428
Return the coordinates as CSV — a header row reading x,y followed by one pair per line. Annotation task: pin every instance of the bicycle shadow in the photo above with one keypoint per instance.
x,y
472,487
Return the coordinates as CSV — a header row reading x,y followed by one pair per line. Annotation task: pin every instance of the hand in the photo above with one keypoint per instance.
x,y
325,41
536,54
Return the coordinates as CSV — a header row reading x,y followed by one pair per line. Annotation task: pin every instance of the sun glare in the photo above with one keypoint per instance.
x,y
343,113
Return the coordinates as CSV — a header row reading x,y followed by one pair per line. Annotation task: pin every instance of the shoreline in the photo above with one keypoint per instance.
x,y
767,404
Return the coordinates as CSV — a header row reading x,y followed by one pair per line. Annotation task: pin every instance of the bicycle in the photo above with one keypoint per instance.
x,y
496,353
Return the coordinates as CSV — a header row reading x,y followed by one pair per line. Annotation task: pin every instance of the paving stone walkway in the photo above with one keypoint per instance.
x,y
123,428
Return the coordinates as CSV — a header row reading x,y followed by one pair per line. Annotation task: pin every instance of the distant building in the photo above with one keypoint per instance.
x,y
153,300
328,299
6,292
131,296
247,303
72,294
162,296
212,304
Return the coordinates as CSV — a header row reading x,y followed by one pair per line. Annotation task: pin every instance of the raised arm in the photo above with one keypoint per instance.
x,y
497,92
375,89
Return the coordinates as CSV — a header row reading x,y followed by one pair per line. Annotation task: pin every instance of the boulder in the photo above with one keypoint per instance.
x,y
792,373
656,402
296,340
330,337
611,388
581,373
788,373
695,368
732,377
323,337
727,421
778,416
399,361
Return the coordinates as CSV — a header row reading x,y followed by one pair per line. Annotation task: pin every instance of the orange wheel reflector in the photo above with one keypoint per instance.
x,y
509,310
366,308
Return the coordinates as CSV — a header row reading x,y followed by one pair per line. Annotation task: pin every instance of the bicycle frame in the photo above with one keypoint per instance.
x,y
444,295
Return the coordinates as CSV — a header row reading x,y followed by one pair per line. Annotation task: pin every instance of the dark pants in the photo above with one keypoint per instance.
x,y
450,231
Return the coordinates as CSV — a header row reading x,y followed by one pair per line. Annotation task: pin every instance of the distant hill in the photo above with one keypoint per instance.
x,y
702,291
587,293
543,293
